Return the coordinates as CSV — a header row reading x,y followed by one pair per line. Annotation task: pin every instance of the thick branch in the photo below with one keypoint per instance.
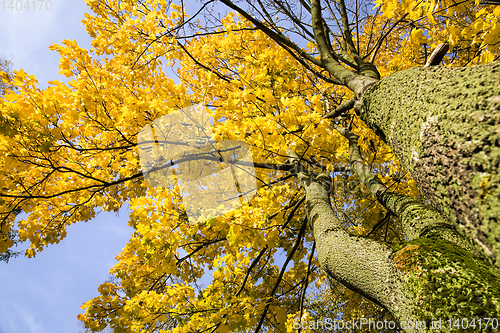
x,y
437,55
363,265
328,59
357,83
360,264
417,219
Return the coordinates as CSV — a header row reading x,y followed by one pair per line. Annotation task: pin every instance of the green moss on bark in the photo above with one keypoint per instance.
x,y
447,282
443,124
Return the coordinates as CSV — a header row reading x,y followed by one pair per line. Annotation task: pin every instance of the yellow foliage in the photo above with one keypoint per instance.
x,y
70,151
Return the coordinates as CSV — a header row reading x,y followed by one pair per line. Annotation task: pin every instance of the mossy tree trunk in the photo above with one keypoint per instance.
x,y
428,282
443,124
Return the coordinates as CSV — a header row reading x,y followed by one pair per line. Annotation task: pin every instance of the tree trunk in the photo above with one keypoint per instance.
x,y
420,282
426,283
443,124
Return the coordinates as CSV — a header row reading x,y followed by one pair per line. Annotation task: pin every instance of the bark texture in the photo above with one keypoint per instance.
x,y
420,282
434,277
362,265
446,282
437,266
443,124
417,220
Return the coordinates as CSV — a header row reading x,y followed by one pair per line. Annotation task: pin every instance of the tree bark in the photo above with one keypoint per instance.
x,y
428,280
443,124
417,220
363,265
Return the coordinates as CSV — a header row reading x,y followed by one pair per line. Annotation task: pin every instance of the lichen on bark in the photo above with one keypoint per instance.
x,y
437,270
443,124
447,282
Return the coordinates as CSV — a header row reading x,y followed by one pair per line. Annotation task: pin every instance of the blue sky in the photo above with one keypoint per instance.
x,y
44,294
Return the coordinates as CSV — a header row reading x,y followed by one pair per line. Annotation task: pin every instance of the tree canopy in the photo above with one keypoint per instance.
x,y
285,78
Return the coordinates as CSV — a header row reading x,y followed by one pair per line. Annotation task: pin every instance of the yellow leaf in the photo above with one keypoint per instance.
x,y
493,36
417,38
389,8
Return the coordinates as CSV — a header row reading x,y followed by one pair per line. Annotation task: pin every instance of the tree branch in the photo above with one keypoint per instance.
x,y
357,83
277,37
351,260
282,272
416,219
341,109
437,55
